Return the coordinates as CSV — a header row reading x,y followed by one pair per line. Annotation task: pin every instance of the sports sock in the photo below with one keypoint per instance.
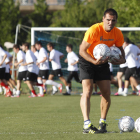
x,y
54,88
86,123
4,85
40,90
125,90
67,88
39,81
33,91
138,87
120,90
102,120
51,82
18,92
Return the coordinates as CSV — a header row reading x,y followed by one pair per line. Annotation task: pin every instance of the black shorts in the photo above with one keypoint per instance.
x,y
138,71
95,72
123,70
30,76
7,76
73,74
22,76
57,72
2,73
111,74
130,72
43,74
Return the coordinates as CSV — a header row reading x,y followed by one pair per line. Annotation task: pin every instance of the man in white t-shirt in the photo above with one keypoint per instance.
x,y
54,58
72,60
131,52
43,63
22,70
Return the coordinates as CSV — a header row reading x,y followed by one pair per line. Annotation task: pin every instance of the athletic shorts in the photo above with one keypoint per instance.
x,y
22,76
73,74
122,70
111,74
43,74
95,72
7,76
31,76
57,72
130,72
2,73
138,71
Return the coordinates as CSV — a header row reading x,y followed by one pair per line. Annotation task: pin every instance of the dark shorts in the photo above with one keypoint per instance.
x,y
73,74
7,76
131,72
111,74
31,76
57,72
22,76
138,71
95,72
123,70
2,73
43,74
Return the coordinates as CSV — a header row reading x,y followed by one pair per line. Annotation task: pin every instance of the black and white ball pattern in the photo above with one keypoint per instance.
x,y
114,53
137,125
126,124
101,50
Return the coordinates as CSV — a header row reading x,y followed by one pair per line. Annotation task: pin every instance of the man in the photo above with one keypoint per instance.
x,y
22,70
54,58
92,70
131,52
43,63
72,60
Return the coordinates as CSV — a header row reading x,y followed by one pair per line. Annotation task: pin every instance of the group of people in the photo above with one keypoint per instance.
x,y
33,69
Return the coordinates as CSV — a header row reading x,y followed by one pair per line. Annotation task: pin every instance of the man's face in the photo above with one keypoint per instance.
x,y
24,48
15,50
124,44
109,22
37,46
49,48
68,49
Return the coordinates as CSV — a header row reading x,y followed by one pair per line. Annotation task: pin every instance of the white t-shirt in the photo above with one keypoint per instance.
x,y
2,53
138,61
42,55
110,67
55,56
131,53
125,64
7,70
36,55
30,57
72,57
21,56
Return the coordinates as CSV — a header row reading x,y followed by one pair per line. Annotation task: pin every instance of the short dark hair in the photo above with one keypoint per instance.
x,y
127,40
50,44
111,12
26,44
39,43
70,46
16,46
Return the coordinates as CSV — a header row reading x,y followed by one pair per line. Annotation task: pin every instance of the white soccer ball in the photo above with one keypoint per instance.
x,y
114,53
126,124
137,125
101,50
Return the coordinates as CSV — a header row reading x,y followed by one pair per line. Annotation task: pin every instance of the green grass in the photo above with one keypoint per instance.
x,y
60,118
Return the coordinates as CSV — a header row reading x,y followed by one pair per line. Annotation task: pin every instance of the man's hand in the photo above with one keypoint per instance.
x,y
37,64
24,64
118,61
0,64
16,64
99,61
72,64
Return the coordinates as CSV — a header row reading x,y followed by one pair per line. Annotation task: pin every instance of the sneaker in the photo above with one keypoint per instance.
x,y
44,88
13,96
32,96
91,129
66,93
60,88
116,94
134,93
40,95
81,94
102,127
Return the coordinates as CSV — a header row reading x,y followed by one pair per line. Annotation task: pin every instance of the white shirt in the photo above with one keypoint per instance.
x,y
125,64
7,70
138,61
21,56
30,57
110,67
72,58
2,53
55,56
36,55
131,55
42,55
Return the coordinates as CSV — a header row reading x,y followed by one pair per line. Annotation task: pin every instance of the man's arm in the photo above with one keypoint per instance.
x,y
66,60
45,58
3,59
83,52
61,56
74,63
25,64
16,64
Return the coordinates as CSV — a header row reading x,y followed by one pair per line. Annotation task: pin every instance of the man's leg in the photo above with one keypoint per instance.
x,y
119,77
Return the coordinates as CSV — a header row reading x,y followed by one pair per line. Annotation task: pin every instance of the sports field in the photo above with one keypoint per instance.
x,y
59,118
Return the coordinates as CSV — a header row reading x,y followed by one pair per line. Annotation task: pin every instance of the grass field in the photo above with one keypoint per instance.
x,y
59,118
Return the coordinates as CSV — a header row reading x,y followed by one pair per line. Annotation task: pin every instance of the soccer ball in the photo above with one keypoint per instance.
x,y
114,53
137,125
126,124
101,50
